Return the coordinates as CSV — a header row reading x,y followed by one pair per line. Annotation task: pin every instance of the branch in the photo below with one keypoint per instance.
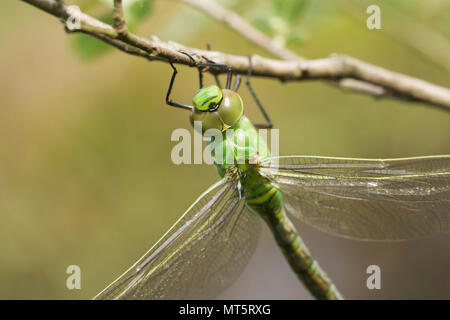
x,y
416,35
235,22
119,20
252,34
340,69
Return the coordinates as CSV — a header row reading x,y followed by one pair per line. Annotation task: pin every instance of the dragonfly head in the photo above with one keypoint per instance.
x,y
217,108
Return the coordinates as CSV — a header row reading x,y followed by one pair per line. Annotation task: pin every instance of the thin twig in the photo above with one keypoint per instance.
x,y
335,68
119,20
418,36
239,25
242,27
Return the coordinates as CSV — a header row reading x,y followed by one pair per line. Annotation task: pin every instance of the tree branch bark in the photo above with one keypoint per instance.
x,y
119,20
239,25
252,34
344,71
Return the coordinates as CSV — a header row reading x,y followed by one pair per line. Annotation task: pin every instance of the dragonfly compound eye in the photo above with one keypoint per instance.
x,y
216,108
207,98
209,120
232,108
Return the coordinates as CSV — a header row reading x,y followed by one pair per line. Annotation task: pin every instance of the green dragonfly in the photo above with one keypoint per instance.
x,y
209,246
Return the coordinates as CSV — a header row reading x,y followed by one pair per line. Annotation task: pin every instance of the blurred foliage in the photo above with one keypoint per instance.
x,y
281,21
135,12
85,170
287,22
88,47
434,13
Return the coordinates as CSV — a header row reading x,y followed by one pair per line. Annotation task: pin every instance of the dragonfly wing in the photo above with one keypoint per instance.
x,y
394,199
202,254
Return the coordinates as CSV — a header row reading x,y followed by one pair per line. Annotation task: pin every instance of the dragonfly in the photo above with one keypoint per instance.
x,y
206,250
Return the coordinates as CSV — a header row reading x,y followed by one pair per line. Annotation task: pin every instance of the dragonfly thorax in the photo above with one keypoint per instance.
x,y
217,108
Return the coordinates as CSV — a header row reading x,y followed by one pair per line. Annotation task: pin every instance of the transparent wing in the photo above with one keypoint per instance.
x,y
202,254
394,199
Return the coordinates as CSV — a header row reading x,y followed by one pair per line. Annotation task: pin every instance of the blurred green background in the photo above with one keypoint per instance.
x,y
85,170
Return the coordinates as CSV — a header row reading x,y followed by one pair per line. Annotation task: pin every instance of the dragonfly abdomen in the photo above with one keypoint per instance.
x,y
267,201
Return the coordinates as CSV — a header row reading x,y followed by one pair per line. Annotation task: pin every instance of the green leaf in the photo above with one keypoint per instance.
x,y
138,10
289,10
262,23
86,46
296,37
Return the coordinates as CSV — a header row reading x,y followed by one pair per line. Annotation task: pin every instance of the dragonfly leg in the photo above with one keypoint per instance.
x,y
268,124
219,66
200,71
216,77
169,101
208,64
237,82
200,77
